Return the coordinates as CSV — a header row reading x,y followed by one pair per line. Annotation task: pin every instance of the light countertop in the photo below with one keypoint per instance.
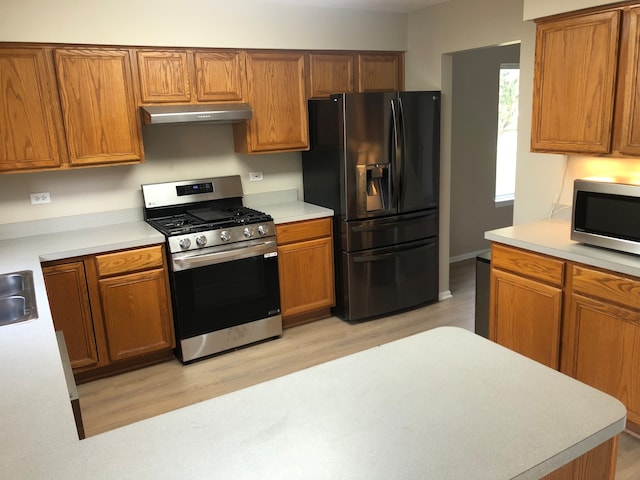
x,y
35,412
443,404
423,407
552,237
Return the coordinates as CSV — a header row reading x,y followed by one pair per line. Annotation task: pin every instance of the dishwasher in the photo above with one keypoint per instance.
x,y
483,273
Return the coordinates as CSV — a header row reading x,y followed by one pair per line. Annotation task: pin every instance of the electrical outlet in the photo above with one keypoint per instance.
x,y
255,176
42,197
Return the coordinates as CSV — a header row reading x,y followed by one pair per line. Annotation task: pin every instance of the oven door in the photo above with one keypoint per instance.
x,y
218,289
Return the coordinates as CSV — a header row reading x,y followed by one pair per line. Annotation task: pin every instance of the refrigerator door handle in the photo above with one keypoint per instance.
x,y
400,150
396,253
395,155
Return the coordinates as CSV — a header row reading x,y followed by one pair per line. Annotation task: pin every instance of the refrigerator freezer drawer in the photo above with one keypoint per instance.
x,y
387,280
387,231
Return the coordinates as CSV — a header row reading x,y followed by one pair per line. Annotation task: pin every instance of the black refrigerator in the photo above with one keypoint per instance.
x,y
375,160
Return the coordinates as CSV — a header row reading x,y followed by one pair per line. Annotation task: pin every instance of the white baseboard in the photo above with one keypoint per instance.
x,y
444,295
466,256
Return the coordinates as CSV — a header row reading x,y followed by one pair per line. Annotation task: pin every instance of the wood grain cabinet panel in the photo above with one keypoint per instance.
x,y
99,106
629,103
380,72
31,135
575,80
602,335
579,319
277,95
220,76
68,294
526,316
330,73
164,76
526,299
136,316
305,265
114,310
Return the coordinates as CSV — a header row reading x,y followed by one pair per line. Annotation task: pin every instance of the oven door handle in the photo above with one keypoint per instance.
x,y
185,262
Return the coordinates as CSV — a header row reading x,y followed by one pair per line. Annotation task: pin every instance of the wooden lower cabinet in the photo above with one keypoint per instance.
x,y
526,303
114,310
305,264
581,320
69,303
136,315
602,336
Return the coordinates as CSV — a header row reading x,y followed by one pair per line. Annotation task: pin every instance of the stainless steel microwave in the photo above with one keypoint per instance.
x,y
606,214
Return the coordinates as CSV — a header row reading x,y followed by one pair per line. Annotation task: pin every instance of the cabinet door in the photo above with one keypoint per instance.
x,y
69,303
330,73
525,316
380,72
276,86
31,134
603,350
164,76
136,314
98,106
574,85
220,76
630,127
306,276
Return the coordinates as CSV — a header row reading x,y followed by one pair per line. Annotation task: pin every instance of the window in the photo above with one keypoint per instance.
x,y
507,142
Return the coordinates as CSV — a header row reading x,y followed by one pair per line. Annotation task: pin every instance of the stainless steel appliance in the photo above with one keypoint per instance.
x,y
374,160
223,261
605,214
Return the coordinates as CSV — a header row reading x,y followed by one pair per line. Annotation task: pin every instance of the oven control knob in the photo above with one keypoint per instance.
x,y
185,243
247,232
201,240
261,229
225,236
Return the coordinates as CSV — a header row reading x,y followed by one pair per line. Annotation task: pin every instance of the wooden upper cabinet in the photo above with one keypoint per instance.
x,y
380,72
629,104
277,95
191,76
99,106
576,64
31,135
164,76
220,76
329,74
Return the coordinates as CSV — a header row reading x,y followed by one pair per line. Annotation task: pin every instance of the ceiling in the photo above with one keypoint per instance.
x,y
400,6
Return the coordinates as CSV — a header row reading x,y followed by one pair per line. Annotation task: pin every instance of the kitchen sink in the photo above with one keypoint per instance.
x,y
17,297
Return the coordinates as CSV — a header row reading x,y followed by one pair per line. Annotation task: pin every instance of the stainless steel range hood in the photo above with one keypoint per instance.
x,y
196,113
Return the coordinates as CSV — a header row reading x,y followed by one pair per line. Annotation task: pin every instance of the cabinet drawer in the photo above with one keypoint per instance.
x,y
129,260
607,286
305,230
528,264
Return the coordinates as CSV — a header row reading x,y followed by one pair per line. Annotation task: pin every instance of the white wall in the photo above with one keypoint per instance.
x,y
174,153
543,8
437,32
474,132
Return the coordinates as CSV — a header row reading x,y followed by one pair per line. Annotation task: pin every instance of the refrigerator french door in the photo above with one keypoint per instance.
x,y
374,160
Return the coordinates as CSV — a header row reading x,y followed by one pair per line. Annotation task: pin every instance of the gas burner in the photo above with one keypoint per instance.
x,y
195,218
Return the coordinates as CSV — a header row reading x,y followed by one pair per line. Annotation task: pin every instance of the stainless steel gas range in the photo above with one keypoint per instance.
x,y
223,261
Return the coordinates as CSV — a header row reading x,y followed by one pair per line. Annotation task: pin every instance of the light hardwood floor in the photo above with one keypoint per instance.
x,y
113,402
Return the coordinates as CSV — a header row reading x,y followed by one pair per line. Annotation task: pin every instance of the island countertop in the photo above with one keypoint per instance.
x,y
443,404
